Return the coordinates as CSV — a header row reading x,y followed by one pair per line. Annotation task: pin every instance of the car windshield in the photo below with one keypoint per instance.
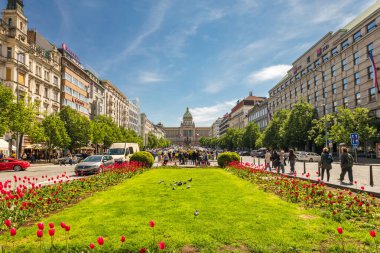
x,y
93,159
117,151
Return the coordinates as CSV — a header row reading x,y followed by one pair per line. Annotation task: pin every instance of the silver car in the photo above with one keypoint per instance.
x,y
94,164
308,156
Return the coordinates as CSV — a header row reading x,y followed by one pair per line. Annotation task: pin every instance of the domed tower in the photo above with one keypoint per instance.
x,y
187,118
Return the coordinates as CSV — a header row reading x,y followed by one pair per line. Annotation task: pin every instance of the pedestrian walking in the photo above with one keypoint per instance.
x,y
275,160
346,163
1,155
292,161
267,158
282,163
325,163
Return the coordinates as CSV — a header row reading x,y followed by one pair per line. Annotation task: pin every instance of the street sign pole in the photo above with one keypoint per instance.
x,y
355,143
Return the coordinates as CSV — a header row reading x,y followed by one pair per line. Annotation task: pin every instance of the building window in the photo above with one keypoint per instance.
x,y
357,78
55,80
324,76
317,62
308,98
371,26
370,48
55,96
46,75
310,67
8,76
333,88
309,84
357,36
46,93
325,57
345,44
335,106
345,102
370,73
345,84
9,52
21,58
357,98
316,96
316,81
302,87
324,92
303,72
344,64
334,51
38,70
372,94
356,58
37,89
333,70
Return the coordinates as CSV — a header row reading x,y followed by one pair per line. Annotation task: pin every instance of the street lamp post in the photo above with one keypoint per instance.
x,y
325,104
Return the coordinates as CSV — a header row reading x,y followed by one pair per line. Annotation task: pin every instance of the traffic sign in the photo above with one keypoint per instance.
x,y
355,146
354,139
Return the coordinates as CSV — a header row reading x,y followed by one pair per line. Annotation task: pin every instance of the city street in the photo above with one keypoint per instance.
x,y
361,173
39,170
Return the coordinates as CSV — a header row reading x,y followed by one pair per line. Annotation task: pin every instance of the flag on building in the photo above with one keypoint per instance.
x,y
375,81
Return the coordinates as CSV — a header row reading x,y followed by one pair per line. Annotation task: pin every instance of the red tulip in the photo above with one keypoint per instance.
x,y
51,232
63,225
100,240
67,228
40,226
151,224
142,250
340,230
92,246
161,245
51,225
122,238
362,188
40,233
7,223
372,233
13,231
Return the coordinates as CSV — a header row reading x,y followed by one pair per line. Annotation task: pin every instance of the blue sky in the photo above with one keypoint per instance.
x,y
197,53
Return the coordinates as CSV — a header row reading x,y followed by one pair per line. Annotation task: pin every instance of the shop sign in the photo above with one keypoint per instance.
x,y
71,53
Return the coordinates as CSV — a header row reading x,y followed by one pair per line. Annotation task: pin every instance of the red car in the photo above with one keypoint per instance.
x,y
13,164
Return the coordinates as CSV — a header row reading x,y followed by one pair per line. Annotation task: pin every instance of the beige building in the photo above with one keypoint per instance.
x,y
134,116
96,95
116,104
224,124
336,70
187,133
30,65
259,114
239,113
215,128
148,127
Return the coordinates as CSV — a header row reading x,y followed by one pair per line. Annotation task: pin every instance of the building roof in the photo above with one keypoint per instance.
x,y
187,113
362,16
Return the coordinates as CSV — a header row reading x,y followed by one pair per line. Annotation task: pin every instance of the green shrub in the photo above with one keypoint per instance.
x,y
143,157
225,158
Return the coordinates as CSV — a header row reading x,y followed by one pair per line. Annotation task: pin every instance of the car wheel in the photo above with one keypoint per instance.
x,y
311,160
17,168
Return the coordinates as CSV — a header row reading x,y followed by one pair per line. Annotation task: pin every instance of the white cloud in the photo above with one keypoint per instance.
x,y
205,116
151,77
268,73
214,87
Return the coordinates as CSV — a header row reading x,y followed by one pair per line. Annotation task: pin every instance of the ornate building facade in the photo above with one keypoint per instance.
x,y
187,134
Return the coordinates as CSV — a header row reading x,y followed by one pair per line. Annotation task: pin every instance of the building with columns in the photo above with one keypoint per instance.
x,y
116,104
187,134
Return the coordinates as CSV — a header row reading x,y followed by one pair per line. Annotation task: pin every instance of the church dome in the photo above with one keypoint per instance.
x,y
187,116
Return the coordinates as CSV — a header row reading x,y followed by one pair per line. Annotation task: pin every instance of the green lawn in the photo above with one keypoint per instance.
x,y
235,216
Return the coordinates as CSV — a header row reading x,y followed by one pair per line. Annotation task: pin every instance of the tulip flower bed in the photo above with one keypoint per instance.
x,y
337,204
218,213
24,199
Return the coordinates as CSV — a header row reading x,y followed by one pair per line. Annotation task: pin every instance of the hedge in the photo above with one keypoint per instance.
x,y
225,158
143,157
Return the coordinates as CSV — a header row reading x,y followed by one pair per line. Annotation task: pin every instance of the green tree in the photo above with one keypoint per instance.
x,y
23,118
77,126
250,136
273,133
129,135
317,130
6,104
298,124
152,140
232,139
55,132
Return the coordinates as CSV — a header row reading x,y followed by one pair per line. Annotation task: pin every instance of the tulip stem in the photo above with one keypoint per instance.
x,y
375,245
67,241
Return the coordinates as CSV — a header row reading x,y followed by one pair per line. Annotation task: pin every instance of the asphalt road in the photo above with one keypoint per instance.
x,y
39,170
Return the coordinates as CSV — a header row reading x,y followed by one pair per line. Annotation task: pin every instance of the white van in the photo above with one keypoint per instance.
x,y
121,152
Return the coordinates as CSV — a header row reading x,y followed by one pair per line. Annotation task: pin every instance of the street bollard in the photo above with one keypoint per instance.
x,y
304,167
319,170
254,161
370,176
241,159
258,163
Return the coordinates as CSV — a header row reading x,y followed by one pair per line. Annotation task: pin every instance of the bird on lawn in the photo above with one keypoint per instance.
x,y
188,187
196,213
191,179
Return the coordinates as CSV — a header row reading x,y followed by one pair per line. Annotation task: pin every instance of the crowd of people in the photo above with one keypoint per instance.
x,y
196,157
277,160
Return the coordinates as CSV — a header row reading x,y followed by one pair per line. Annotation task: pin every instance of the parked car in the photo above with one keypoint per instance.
x,y
94,164
244,153
259,152
307,156
66,160
13,164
